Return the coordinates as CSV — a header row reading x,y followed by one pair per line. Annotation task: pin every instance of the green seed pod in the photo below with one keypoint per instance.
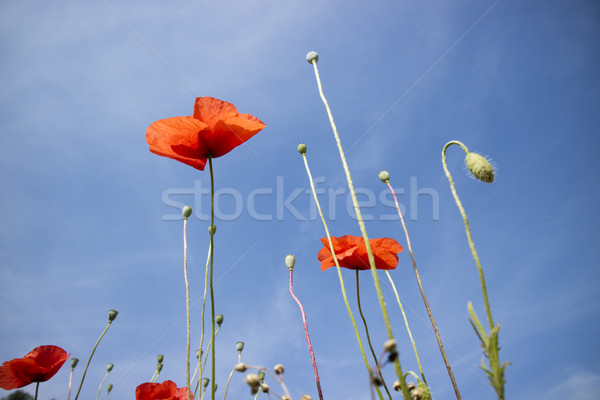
x,y
261,375
187,211
312,56
112,314
109,387
159,367
219,319
109,367
384,176
290,261
302,148
480,167
160,358
239,346
74,362
205,382
212,229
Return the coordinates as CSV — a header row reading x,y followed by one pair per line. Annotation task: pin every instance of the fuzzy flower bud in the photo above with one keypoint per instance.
x,y
239,346
112,314
384,176
159,367
480,167
278,369
290,261
302,148
186,212
74,362
312,56
219,319
240,367
109,367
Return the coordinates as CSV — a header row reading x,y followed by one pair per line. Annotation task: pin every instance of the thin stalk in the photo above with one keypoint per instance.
x,y
339,271
90,359
362,316
468,229
310,349
227,385
70,382
37,385
386,318
187,309
101,383
425,302
212,292
199,366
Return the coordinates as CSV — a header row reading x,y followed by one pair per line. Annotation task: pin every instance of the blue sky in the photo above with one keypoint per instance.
x,y
86,216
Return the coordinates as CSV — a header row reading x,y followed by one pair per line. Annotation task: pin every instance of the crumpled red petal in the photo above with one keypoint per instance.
x,y
167,390
39,365
351,253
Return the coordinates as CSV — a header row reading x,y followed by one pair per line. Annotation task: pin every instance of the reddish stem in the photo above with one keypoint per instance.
x,y
310,349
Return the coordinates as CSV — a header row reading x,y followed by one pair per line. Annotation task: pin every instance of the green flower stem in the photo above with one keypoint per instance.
x,y
339,271
227,385
90,359
199,366
37,385
70,382
467,228
187,309
101,383
412,340
361,224
425,302
212,292
362,316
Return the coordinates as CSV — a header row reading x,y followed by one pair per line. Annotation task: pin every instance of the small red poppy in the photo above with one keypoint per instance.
x,y
167,390
215,129
351,253
39,365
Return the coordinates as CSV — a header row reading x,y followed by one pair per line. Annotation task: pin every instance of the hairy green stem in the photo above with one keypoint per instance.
x,y
212,292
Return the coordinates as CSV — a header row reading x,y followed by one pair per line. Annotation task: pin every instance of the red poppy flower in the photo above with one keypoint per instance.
x,y
167,390
351,253
39,365
215,129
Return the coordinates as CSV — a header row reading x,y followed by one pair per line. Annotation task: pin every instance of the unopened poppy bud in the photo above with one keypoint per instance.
x,y
480,167
186,211
109,367
390,346
109,387
312,56
279,369
411,386
397,386
252,379
159,367
112,314
305,397
239,346
212,229
205,382
261,375
302,148
74,362
160,358
290,261
384,176
240,367
198,353
264,387
219,319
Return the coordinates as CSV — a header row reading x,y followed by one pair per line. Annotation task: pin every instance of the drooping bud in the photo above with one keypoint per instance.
x,y
252,379
112,314
219,319
302,148
109,367
384,176
186,212
159,367
480,167
239,346
74,362
312,56
240,367
278,369
290,261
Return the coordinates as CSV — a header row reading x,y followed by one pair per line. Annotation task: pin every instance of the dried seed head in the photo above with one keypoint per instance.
x,y
390,346
252,379
264,387
278,369
411,386
397,386
480,167
240,367
312,56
